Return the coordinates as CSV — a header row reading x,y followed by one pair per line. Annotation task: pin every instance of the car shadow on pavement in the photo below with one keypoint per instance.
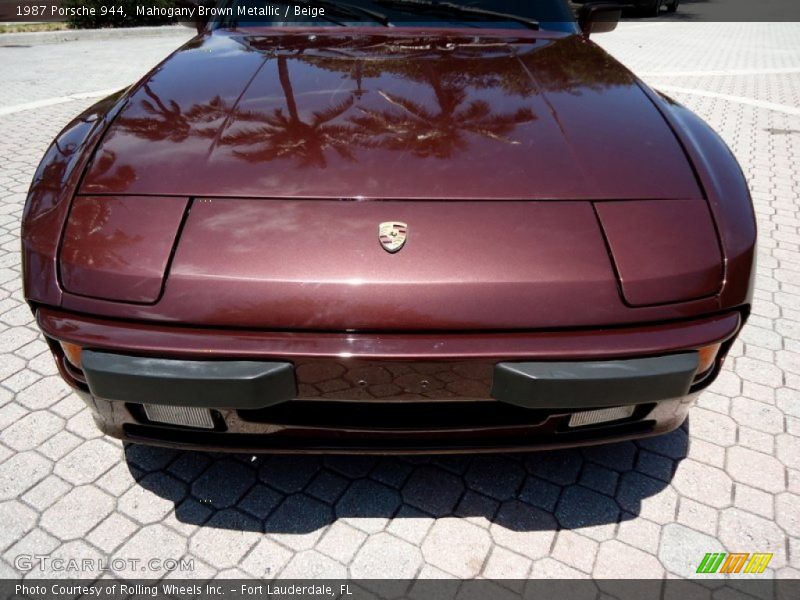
x,y
288,494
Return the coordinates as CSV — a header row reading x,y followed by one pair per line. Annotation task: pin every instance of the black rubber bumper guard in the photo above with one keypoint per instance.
x,y
255,384
594,384
234,384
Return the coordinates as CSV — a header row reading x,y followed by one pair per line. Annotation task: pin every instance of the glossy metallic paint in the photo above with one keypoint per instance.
x,y
265,161
51,194
119,248
664,250
396,115
185,341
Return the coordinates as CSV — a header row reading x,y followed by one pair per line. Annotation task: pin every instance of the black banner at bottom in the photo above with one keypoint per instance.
x,y
420,589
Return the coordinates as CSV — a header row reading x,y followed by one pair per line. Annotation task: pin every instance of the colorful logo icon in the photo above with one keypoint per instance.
x,y
392,235
741,562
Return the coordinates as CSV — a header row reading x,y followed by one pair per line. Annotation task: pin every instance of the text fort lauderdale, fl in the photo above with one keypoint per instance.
x,y
170,589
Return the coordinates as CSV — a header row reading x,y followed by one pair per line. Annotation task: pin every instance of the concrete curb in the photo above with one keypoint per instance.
x,y
36,38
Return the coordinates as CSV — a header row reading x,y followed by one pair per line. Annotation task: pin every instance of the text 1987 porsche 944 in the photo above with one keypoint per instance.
x,y
398,226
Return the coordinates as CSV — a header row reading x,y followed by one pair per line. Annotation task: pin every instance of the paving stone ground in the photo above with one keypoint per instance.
x,y
729,479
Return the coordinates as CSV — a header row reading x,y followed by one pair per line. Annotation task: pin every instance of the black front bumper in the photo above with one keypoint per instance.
x,y
254,385
385,393
255,408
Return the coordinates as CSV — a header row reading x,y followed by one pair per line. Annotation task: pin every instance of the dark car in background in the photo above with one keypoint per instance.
x,y
642,8
401,227
653,8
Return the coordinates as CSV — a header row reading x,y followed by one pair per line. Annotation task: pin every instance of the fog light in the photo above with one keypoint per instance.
x,y
188,416
602,415
73,353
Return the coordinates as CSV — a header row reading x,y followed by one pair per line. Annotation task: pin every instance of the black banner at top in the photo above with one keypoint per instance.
x,y
389,12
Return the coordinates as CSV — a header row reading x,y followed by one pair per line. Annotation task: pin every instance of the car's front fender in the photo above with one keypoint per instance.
x,y
50,195
726,189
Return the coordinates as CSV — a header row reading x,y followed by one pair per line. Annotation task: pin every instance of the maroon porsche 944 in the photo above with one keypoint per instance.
x,y
389,226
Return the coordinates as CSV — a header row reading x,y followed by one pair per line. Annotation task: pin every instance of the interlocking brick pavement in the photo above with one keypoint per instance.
x,y
729,479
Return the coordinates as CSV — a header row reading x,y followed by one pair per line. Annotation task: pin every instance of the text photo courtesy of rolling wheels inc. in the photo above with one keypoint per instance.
x,y
399,299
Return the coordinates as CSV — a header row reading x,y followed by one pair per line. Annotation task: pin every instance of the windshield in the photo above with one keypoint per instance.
x,y
512,14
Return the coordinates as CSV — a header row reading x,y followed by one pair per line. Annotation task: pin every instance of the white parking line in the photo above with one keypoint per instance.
x,y
15,108
722,73
627,26
784,108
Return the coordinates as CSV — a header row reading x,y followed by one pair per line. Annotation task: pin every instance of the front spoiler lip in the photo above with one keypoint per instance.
x,y
179,341
484,443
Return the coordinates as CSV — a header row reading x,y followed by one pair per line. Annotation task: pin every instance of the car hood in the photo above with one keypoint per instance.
x,y
402,115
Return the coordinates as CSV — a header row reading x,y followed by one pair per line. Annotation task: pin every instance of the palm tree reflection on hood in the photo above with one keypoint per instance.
x,y
279,135
405,126
410,126
166,121
436,129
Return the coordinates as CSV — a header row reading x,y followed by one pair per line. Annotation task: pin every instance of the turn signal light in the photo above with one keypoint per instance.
x,y
708,355
73,353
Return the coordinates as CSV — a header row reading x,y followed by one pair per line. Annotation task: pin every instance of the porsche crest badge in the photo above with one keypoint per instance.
x,y
392,235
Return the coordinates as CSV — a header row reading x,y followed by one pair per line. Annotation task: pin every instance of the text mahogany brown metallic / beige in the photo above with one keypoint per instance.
x,y
202,249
